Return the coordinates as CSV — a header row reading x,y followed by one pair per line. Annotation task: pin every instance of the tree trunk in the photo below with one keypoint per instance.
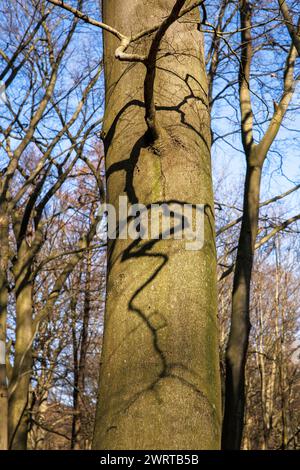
x,y
20,382
80,356
75,418
159,375
3,315
3,396
240,321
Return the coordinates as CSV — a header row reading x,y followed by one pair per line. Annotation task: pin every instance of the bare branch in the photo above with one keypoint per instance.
x,y
277,229
281,108
262,204
82,16
294,32
244,77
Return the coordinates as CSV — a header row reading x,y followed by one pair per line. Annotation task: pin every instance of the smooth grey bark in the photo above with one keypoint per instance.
x,y
159,376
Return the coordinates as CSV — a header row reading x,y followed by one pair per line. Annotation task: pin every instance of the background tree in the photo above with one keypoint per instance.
x,y
47,124
257,139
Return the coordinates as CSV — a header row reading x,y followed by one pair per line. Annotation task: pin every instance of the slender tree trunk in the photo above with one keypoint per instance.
x,y
240,321
3,396
3,315
80,360
159,376
20,382
280,328
267,374
264,379
75,419
84,342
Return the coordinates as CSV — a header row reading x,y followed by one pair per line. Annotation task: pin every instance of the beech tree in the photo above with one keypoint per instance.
x,y
170,67
159,367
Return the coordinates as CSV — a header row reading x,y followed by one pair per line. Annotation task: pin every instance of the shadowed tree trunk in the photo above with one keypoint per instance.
x,y
159,374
